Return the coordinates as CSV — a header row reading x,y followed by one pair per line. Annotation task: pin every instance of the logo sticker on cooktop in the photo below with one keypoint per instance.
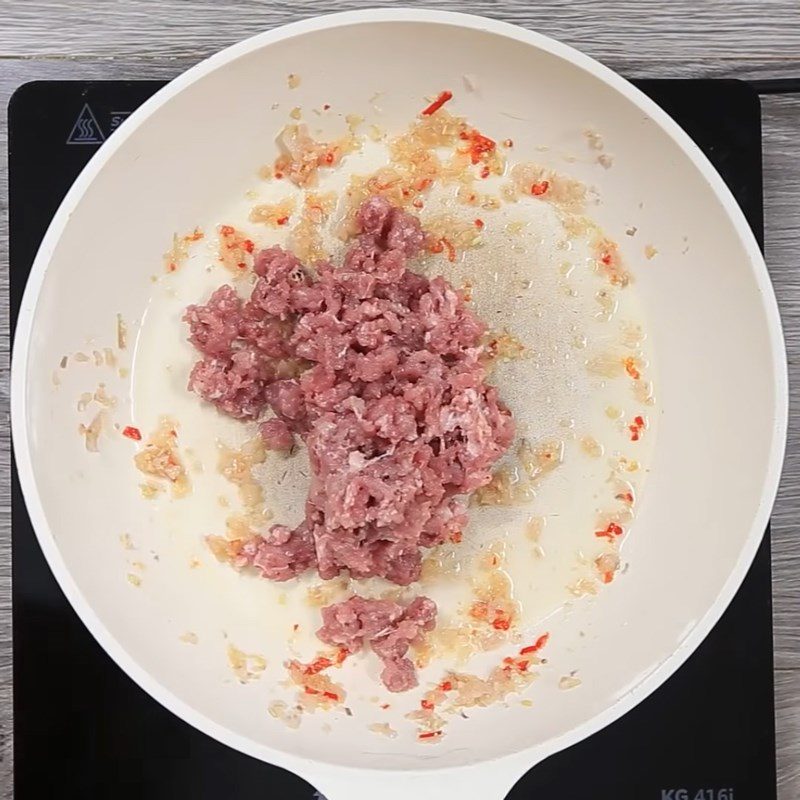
x,y
86,129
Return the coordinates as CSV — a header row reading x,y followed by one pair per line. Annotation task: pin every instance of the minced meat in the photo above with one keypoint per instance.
x,y
378,369
388,627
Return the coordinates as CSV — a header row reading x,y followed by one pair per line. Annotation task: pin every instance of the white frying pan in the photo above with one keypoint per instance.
x,y
710,310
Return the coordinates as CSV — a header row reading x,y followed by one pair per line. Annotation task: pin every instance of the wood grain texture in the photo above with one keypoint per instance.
x,y
677,29
640,38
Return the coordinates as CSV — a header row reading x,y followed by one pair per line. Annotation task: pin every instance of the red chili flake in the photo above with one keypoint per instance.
x,y
249,245
328,157
341,655
331,696
309,690
485,171
437,103
606,259
418,203
430,734
422,184
446,686
278,174
427,705
194,236
536,646
631,369
627,497
295,627
451,251
607,577
281,220
317,665
479,145
132,433
326,106
227,230
385,706
479,224
522,666
501,623
612,530
636,428
436,247
538,189
456,537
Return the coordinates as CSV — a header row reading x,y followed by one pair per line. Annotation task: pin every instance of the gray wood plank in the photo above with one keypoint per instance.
x,y
706,39
676,29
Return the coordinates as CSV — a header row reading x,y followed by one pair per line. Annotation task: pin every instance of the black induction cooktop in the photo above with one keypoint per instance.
x,y
83,729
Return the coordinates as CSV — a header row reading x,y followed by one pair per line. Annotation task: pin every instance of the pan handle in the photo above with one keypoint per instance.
x,y
486,781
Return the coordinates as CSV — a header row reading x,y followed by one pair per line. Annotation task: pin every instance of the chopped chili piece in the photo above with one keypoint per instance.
x,y
426,704
341,655
501,623
278,174
479,145
451,251
132,433
522,666
538,189
636,428
607,577
437,103
317,665
430,734
309,690
328,157
446,686
384,706
625,496
606,259
326,106
455,537
479,223
536,646
282,220
631,369
485,171
331,696
612,530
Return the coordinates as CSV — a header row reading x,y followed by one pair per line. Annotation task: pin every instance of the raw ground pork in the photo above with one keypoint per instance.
x,y
388,627
377,369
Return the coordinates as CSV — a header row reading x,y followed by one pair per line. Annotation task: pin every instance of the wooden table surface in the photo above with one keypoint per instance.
x,y
106,39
